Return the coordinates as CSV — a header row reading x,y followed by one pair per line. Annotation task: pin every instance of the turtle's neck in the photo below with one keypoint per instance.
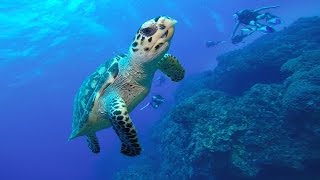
x,y
142,72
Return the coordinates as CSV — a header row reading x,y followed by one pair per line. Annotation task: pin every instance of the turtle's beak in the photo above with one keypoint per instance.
x,y
170,23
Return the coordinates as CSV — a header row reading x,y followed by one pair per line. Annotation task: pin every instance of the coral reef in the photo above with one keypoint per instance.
x,y
256,116
303,86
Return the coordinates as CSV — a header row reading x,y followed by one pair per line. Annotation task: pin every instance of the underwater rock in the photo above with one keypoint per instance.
x,y
141,172
212,134
217,125
302,97
256,116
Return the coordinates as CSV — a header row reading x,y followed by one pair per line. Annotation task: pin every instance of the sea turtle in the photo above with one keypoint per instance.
x,y
111,92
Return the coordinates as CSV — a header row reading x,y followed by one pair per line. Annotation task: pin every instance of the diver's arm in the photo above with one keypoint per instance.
x,y
235,28
264,8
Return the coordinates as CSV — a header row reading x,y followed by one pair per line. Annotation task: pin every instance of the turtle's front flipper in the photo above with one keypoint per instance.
x,y
93,143
170,66
117,113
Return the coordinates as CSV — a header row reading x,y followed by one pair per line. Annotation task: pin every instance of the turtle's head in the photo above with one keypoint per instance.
x,y
152,39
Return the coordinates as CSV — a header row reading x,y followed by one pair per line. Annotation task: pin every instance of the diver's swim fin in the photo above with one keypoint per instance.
x,y
274,21
145,106
267,29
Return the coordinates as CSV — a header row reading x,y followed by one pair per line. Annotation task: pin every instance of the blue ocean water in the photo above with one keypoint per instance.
x,y
47,48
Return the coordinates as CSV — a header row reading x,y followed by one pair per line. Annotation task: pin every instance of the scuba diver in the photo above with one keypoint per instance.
x,y
214,43
155,102
251,17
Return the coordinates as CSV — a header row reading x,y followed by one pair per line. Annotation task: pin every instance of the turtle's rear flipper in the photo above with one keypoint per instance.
x,y
118,115
93,143
125,149
170,66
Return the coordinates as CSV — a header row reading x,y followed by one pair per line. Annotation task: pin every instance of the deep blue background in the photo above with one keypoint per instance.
x,y
48,47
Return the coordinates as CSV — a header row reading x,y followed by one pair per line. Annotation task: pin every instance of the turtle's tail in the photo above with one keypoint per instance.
x,y
73,135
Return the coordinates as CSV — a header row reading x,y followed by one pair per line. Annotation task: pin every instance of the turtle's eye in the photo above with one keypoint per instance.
x,y
149,31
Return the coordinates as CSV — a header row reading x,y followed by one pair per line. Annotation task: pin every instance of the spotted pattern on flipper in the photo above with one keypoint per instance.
x,y
171,67
124,128
93,143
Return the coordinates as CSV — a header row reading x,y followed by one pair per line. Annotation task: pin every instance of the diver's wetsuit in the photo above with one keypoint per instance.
x,y
246,16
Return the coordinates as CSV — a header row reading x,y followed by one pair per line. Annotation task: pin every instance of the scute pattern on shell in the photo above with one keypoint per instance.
x,y
85,97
